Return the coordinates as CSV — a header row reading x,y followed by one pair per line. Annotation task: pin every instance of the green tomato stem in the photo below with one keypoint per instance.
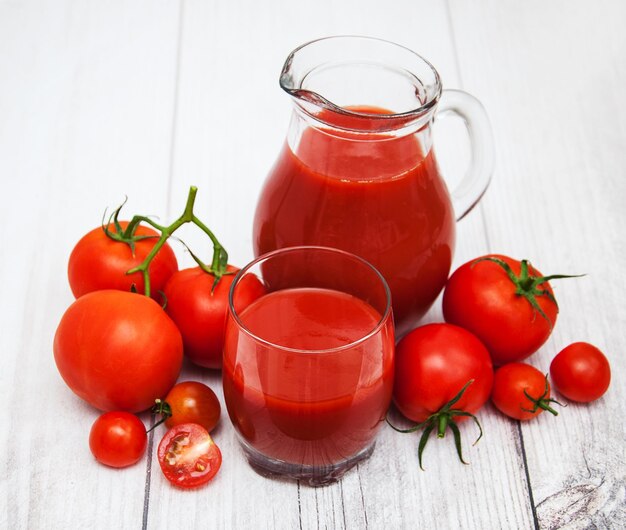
x,y
220,256
528,285
440,421
543,401
164,409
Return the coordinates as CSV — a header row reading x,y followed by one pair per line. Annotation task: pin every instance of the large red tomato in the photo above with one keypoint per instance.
x,y
99,262
118,350
506,303
443,375
433,363
199,309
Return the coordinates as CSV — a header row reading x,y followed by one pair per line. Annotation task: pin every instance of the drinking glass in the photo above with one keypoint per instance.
x,y
308,367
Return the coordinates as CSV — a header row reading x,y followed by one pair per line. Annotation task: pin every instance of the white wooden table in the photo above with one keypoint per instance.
x,y
99,100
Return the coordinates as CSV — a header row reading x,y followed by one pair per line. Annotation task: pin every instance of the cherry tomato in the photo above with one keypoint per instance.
x,y
433,363
188,456
118,439
521,391
118,350
99,262
581,372
200,310
193,402
482,297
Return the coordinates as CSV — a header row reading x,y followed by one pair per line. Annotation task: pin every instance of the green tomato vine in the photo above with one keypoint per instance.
x,y
219,261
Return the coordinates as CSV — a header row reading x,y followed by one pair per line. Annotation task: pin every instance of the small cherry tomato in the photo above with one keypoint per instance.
x,y
118,439
193,402
581,372
199,309
99,262
188,456
521,391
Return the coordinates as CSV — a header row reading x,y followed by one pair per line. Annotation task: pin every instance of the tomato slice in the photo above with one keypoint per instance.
x,y
188,455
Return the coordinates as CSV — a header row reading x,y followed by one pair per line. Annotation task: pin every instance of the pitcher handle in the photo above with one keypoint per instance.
x,y
474,184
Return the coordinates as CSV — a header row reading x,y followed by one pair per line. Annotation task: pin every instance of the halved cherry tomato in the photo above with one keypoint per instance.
x,y
118,439
188,456
193,402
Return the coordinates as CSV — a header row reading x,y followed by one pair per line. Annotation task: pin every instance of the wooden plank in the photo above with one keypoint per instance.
x,y
86,97
558,199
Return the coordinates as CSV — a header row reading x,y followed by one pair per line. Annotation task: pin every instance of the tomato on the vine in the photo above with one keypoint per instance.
x,y
521,391
506,303
118,350
443,375
199,308
100,262
191,402
188,456
118,439
581,372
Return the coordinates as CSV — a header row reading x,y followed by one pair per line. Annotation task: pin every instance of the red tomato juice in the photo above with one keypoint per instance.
x,y
372,194
320,397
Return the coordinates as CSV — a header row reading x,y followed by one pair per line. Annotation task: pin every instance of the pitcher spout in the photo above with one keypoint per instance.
x,y
334,77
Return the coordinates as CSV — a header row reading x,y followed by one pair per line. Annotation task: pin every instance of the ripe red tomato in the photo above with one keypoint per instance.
x,y
433,363
118,439
581,372
118,350
188,456
99,262
199,310
443,375
513,384
193,402
482,297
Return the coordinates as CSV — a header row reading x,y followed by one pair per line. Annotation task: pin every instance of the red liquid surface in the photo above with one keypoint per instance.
x,y
312,408
376,196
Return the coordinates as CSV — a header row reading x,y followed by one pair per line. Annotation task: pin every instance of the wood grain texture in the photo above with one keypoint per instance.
x,y
86,106
559,115
98,101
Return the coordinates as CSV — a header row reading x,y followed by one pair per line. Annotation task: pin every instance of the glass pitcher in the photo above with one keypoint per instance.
x,y
358,172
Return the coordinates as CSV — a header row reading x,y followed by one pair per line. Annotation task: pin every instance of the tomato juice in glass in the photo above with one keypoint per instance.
x,y
308,368
358,171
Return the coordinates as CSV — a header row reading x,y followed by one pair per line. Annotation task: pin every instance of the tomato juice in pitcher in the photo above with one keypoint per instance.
x,y
358,171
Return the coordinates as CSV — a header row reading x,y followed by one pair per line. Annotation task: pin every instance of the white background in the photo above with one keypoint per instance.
x,y
99,100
